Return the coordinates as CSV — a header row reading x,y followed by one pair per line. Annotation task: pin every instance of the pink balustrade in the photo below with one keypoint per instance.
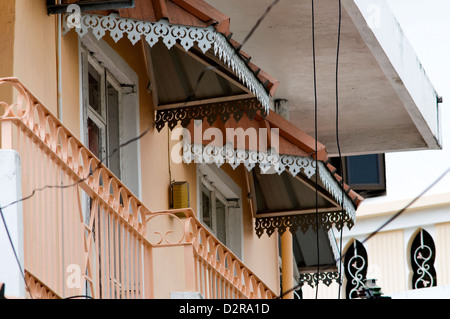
x,y
86,234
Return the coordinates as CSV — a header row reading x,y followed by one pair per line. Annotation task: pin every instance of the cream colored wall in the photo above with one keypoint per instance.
x,y
442,241
387,261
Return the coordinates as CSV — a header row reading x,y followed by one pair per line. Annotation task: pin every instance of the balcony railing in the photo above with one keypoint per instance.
x,y
85,233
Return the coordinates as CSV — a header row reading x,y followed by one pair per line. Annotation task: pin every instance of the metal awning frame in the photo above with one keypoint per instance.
x,y
170,34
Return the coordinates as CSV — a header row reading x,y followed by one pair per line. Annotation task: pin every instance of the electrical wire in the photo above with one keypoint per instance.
x,y
338,143
79,297
316,144
401,211
258,22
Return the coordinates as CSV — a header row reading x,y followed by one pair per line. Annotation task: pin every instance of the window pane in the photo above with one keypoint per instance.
x,y
113,130
94,89
363,169
94,135
206,207
220,219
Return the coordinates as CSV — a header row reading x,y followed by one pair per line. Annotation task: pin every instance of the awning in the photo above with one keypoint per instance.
x,y
282,177
206,73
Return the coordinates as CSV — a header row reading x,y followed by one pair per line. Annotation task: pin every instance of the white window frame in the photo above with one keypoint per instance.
x,y
228,192
101,120
128,80
215,194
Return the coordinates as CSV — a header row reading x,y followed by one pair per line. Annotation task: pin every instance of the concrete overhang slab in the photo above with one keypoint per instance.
x,y
386,101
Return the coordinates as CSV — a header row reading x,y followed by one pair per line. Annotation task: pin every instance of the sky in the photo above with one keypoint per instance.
x,y
427,27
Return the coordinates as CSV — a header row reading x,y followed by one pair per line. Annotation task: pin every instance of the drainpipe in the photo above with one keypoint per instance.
x,y
59,66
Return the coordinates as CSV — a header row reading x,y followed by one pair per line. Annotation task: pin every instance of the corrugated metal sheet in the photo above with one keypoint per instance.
x,y
182,78
284,193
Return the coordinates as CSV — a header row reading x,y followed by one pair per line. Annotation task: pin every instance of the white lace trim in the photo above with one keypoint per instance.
x,y
335,190
267,161
270,160
206,38
334,248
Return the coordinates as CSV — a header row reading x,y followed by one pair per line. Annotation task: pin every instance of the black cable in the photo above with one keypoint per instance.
x,y
15,253
338,145
390,220
258,22
79,297
316,146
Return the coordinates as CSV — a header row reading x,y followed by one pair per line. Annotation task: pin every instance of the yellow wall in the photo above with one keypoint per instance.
x,y
35,51
70,90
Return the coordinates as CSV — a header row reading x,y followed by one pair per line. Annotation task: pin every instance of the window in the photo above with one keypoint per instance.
x,y
423,254
220,211
102,114
110,109
363,173
214,210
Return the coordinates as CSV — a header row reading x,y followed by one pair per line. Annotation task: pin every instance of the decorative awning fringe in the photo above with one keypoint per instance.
x,y
170,34
210,112
270,160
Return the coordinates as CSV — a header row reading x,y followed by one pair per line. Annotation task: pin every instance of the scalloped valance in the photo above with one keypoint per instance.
x,y
303,166
203,38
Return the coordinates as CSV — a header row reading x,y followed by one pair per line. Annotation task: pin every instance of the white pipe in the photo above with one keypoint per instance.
x,y
59,66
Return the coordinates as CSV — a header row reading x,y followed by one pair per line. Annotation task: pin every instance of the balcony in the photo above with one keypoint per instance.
x,y
86,234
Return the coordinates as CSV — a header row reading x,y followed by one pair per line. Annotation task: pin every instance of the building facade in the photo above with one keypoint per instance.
x,y
108,201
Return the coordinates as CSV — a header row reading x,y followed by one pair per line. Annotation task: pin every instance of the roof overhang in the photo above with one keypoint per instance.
x,y
386,101
282,173
203,66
